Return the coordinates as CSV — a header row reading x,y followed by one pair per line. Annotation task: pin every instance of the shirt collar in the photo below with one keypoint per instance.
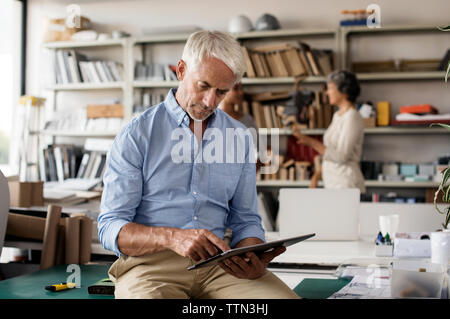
x,y
176,111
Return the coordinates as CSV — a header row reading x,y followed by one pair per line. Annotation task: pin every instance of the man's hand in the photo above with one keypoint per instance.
x,y
250,266
198,244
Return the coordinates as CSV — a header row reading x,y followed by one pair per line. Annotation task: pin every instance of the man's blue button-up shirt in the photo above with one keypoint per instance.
x,y
158,174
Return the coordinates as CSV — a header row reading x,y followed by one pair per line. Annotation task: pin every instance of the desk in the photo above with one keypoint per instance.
x,y
31,286
329,252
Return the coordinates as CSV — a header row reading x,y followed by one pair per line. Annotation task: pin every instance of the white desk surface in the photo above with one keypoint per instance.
x,y
328,252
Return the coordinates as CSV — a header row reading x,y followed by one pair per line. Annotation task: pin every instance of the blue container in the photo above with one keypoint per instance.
x,y
408,170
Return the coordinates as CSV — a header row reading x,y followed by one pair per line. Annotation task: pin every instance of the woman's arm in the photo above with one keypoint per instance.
x,y
308,141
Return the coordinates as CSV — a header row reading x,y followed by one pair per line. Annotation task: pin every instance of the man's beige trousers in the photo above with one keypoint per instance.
x,y
164,275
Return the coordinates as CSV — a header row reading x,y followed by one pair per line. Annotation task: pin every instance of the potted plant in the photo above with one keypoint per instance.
x,y
444,187
447,28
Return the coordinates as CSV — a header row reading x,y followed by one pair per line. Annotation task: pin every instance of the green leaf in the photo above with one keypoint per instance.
x,y
448,71
447,28
445,176
446,196
440,124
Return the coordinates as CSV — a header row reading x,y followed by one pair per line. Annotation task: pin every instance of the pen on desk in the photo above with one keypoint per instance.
x,y
387,239
380,239
60,287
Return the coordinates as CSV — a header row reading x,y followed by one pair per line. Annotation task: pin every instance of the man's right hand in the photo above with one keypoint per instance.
x,y
198,244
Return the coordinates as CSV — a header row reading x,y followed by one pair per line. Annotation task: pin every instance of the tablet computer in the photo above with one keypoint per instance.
x,y
254,248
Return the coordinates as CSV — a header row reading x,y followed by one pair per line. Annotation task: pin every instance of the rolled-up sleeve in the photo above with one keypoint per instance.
x,y
244,219
122,191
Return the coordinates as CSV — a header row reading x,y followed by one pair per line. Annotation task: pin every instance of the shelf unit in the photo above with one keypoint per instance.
x,y
368,183
345,37
341,36
124,86
243,38
389,130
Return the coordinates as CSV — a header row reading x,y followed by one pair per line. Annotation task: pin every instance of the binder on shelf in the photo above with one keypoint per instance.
x,y
72,67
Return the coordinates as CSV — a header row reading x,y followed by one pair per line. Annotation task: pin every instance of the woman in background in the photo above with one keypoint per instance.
x,y
342,141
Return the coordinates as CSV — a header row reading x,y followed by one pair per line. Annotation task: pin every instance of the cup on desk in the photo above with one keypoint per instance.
x,y
389,224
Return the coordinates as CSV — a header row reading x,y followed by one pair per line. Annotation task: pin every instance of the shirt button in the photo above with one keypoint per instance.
x,y
195,217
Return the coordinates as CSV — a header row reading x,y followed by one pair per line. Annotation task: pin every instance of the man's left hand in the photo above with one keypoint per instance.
x,y
250,266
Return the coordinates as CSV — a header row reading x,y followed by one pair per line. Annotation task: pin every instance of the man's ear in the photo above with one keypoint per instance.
x,y
181,70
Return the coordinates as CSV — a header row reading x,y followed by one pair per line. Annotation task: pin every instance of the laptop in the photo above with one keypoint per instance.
x,y
332,214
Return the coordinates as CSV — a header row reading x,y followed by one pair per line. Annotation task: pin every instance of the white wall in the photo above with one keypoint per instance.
x,y
135,16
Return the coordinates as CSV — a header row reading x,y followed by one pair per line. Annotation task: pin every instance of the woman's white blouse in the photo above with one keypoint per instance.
x,y
343,141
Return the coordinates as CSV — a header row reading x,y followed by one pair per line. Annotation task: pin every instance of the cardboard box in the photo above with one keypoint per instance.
x,y
25,226
57,30
26,194
99,111
369,122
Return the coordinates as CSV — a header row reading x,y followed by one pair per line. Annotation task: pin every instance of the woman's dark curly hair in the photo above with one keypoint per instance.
x,y
346,83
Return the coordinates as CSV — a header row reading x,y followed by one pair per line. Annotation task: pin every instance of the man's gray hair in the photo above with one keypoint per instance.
x,y
205,44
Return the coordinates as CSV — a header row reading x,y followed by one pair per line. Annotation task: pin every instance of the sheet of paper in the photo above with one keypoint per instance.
x,y
367,283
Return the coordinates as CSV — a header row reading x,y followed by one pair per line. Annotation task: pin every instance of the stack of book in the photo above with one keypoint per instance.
x,y
107,117
154,72
285,60
286,169
72,67
59,162
274,110
147,99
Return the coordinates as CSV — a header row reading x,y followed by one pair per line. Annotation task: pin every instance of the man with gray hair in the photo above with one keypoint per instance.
x,y
162,215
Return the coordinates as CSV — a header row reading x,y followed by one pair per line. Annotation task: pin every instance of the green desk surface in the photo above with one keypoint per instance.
x,y
311,288
31,286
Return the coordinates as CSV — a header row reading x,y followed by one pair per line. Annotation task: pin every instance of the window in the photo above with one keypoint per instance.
x,y
10,76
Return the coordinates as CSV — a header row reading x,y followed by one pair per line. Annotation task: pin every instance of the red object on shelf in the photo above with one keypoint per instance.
x,y
300,152
419,122
419,109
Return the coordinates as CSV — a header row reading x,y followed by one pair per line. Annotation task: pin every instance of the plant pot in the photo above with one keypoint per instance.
x,y
440,248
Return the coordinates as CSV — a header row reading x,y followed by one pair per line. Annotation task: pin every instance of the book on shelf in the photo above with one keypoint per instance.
x,y
277,110
71,66
250,72
154,72
421,65
374,66
59,162
62,162
286,60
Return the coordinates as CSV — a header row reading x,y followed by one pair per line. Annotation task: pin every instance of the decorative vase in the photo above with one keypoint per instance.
x,y
440,248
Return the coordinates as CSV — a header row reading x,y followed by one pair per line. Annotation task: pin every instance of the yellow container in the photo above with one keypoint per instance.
x,y
383,113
